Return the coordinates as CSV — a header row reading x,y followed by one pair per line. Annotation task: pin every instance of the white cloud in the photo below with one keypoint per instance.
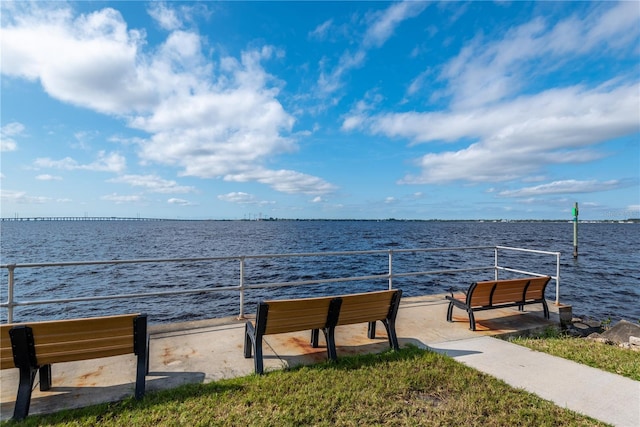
x,y
106,162
7,132
332,81
388,20
88,61
8,144
286,181
380,28
322,30
209,118
47,177
83,138
237,197
488,71
564,187
180,202
516,138
153,183
242,198
21,197
119,199
166,17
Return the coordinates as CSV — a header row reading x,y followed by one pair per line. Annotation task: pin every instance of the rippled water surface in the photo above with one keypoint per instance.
x,y
603,282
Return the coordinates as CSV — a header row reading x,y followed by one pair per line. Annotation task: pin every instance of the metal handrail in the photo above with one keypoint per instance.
x,y
243,286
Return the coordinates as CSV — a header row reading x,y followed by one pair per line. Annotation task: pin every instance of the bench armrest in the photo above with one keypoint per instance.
x,y
458,290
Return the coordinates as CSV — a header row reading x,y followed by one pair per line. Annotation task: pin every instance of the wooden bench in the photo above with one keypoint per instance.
x,y
34,347
321,314
499,294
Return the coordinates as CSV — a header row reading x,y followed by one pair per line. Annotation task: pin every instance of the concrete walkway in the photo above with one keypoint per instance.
x,y
205,351
606,397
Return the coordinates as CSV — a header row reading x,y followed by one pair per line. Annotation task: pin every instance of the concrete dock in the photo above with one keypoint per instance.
x,y
204,351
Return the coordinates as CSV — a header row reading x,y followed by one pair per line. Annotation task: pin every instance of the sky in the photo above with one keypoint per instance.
x,y
331,110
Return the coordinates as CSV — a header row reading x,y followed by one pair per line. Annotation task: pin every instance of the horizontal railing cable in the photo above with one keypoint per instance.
x,y
243,285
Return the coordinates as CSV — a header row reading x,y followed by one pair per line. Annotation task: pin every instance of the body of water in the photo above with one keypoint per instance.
x,y
603,282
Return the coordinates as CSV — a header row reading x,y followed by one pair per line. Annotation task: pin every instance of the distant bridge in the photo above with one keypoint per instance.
x,y
81,218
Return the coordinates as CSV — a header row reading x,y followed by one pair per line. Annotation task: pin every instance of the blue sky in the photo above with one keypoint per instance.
x,y
234,110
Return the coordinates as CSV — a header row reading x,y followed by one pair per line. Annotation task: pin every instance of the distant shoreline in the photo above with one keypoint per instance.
x,y
113,218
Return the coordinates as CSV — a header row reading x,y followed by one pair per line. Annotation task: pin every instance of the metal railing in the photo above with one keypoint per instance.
x,y
243,287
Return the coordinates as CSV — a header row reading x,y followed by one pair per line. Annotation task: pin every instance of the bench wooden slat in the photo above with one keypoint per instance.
x,y
508,292
83,327
297,315
481,294
500,293
67,351
283,325
73,355
536,288
323,313
6,352
58,335
361,308
36,346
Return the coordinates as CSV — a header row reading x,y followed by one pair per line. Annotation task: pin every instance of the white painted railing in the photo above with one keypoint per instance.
x,y
243,287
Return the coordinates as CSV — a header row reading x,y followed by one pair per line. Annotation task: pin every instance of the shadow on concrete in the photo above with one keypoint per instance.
x,y
308,355
65,397
453,353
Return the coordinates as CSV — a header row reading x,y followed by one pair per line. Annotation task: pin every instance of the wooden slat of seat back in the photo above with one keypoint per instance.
x,y
481,294
365,307
537,287
6,352
297,315
80,339
509,290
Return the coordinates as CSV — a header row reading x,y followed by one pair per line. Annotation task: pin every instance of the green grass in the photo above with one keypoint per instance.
x,y
609,358
411,387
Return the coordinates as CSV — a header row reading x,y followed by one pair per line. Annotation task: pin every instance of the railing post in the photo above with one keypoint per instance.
x,y
495,263
558,278
11,268
241,316
390,269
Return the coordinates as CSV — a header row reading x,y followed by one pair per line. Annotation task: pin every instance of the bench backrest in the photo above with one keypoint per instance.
x,y
365,307
6,352
295,315
484,294
77,339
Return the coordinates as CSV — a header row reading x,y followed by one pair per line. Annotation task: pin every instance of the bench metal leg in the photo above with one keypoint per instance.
x,y
450,312
25,360
391,333
545,307
23,400
330,336
253,341
257,358
148,356
45,377
371,330
142,368
472,320
315,338
249,332
141,349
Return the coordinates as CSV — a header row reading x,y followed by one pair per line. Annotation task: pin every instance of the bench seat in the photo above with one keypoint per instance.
x,y
495,294
321,314
34,346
